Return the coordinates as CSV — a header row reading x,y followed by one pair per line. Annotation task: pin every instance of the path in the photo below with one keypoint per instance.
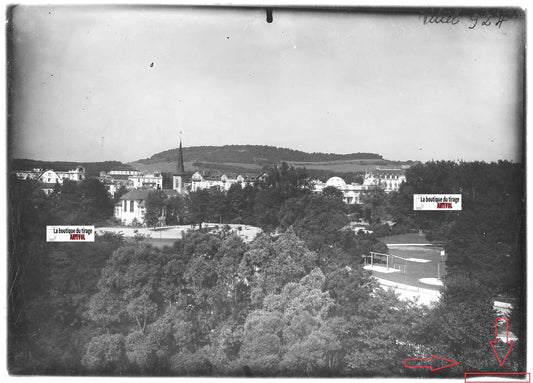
x,y
246,232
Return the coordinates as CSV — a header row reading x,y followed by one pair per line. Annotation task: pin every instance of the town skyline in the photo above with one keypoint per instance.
x,y
119,83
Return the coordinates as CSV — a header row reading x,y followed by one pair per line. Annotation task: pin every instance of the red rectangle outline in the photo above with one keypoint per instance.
x,y
500,373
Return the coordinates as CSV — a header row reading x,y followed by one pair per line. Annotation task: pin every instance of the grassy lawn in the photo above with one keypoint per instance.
x,y
413,270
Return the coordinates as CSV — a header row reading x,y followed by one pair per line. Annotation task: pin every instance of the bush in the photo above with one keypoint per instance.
x,y
105,354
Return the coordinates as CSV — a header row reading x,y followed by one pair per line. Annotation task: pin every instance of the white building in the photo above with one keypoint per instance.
x,y
351,192
125,173
51,175
114,180
151,181
199,182
50,178
387,179
77,174
131,208
33,174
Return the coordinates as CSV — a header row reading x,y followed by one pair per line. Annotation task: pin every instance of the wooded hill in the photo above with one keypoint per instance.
x,y
232,160
256,154
253,158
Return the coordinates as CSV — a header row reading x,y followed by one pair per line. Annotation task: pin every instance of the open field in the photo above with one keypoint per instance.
x,y
346,165
418,263
413,269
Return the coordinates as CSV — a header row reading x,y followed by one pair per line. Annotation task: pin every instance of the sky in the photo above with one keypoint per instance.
x,y
102,83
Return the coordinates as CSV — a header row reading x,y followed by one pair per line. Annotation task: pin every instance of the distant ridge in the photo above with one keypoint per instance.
x,y
252,154
253,159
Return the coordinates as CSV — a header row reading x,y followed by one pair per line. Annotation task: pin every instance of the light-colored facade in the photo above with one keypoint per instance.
x,y
387,179
351,193
51,175
50,178
179,184
125,173
33,174
150,181
199,182
77,174
131,208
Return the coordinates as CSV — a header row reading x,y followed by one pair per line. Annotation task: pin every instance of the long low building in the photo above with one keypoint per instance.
x,y
199,182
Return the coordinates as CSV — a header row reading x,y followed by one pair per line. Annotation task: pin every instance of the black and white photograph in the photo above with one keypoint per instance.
x,y
266,191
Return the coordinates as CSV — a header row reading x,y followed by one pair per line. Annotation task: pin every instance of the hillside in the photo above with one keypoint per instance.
x,y
252,154
251,159
91,168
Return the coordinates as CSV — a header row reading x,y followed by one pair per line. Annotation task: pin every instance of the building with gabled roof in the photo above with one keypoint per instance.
x,y
131,208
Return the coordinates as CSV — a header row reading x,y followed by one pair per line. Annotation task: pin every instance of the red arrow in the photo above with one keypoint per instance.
x,y
509,342
450,364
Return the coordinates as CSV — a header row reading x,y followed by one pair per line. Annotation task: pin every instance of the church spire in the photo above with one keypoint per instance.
x,y
180,167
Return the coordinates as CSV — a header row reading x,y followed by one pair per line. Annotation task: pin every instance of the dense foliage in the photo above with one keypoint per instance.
x,y
295,301
485,240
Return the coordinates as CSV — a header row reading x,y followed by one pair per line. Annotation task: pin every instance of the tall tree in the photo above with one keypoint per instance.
x,y
156,208
292,333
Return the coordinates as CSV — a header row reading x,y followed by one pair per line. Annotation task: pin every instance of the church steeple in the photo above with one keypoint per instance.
x,y
178,183
180,167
